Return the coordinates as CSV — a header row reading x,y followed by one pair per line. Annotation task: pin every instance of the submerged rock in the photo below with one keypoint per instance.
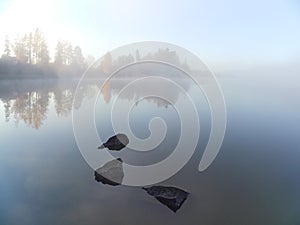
x,y
111,173
172,197
116,142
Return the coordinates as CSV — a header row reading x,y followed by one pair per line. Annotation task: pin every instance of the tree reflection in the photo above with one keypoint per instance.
x,y
63,102
29,101
106,92
31,108
135,82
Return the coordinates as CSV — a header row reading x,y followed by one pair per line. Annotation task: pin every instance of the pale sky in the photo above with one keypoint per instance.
x,y
221,33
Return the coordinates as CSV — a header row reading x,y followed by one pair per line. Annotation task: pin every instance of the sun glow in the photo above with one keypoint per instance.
x,y
22,17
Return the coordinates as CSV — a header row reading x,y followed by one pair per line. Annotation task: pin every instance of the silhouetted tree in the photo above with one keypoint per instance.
x,y
89,60
37,37
149,56
32,48
59,54
78,58
20,50
67,53
29,47
7,46
44,53
137,55
123,60
106,64
167,55
63,53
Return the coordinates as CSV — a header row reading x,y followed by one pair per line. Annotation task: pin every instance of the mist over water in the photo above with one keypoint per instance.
x,y
253,180
137,112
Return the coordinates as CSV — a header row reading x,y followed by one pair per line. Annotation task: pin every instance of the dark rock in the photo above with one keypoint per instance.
x,y
172,197
111,173
116,142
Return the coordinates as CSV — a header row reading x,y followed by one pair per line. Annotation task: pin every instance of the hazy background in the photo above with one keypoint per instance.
x,y
252,46
230,36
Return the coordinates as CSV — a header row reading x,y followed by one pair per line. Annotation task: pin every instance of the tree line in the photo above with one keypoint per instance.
x,y
32,48
28,57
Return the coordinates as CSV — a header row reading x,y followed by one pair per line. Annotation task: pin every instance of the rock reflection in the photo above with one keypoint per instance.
x,y
111,173
171,197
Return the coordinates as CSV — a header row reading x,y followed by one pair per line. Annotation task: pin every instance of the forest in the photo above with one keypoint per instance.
x,y
28,57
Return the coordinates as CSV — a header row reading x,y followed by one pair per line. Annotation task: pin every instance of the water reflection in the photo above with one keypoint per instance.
x,y
31,108
255,179
29,100
138,80
112,173
63,101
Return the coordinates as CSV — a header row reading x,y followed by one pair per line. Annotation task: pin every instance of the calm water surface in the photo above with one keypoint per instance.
x,y
255,178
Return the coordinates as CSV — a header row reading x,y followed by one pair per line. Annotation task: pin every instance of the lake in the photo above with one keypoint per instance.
x,y
254,179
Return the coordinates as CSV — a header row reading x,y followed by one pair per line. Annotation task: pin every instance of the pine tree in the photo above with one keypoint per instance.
x,y
59,54
29,47
68,50
7,46
78,58
137,55
37,37
20,50
44,53
106,64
